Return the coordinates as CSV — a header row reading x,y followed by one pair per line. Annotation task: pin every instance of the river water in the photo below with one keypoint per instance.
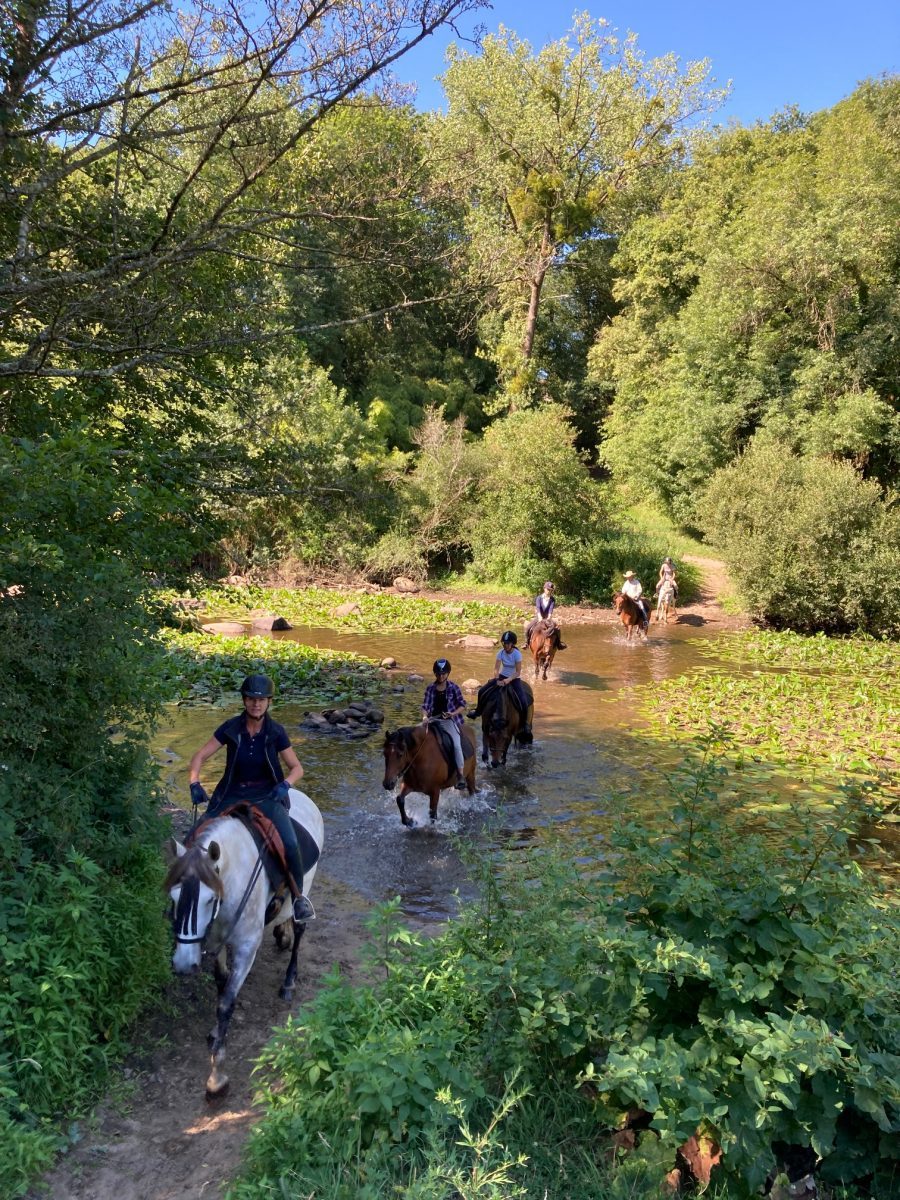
x,y
587,748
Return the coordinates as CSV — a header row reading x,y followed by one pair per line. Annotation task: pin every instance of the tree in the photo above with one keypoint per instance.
x,y
541,145
762,295
135,143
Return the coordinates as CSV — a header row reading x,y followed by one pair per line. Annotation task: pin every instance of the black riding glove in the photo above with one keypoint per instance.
x,y
198,794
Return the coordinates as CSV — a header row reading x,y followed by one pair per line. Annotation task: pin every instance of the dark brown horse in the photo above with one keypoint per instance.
x,y
412,755
502,721
544,643
631,614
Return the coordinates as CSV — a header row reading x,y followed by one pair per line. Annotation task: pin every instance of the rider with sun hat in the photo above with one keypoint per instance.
x,y
256,746
632,588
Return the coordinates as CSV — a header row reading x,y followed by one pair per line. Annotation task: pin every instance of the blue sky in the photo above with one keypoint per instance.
x,y
776,54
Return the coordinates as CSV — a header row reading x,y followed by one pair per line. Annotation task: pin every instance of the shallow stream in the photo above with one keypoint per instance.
x,y
584,749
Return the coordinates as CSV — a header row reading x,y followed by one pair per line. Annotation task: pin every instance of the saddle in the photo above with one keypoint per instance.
x,y
446,744
268,843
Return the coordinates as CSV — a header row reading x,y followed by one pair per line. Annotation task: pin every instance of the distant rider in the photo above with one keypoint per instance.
x,y
544,604
632,587
444,705
667,575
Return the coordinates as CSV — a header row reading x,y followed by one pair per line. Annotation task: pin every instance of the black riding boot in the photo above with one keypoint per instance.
x,y
280,818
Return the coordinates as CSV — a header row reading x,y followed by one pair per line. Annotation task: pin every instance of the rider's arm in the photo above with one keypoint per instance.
x,y
428,702
292,762
206,751
497,667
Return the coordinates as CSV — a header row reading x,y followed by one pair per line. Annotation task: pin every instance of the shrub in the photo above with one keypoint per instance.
x,y
539,511
724,977
810,544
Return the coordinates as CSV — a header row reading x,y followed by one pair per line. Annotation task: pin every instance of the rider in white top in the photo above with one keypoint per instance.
x,y
632,587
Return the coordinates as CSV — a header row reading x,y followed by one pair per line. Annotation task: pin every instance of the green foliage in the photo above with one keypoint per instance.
x,y
720,974
809,544
81,937
431,495
305,480
761,295
539,146
539,511
202,668
316,606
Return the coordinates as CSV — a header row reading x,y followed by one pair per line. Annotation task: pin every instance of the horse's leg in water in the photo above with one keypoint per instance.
x,y
433,796
401,804
217,1084
290,975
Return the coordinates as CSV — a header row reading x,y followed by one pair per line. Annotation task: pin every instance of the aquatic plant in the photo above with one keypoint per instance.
x,y
200,668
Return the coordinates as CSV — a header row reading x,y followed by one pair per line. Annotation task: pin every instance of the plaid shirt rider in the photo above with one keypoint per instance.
x,y
454,700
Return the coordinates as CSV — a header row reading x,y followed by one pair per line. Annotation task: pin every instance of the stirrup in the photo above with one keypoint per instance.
x,y
303,910
460,784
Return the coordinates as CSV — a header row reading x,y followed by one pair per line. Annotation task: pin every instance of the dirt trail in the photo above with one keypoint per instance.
x,y
156,1137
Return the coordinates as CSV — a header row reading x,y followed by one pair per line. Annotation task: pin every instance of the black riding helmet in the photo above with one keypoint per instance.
x,y
509,638
258,687
441,666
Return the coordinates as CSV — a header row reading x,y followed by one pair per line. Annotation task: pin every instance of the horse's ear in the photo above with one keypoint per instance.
x,y
213,851
172,849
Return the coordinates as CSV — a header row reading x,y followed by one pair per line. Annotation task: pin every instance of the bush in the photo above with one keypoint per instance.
x,y
539,511
810,544
725,978
81,935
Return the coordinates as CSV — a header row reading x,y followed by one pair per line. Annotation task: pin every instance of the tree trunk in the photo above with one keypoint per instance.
x,y
534,300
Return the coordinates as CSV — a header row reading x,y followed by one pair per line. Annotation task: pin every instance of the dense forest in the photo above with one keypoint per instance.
x,y
255,308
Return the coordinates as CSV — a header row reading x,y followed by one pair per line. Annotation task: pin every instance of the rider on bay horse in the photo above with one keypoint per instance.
x,y
544,605
444,705
507,672
632,588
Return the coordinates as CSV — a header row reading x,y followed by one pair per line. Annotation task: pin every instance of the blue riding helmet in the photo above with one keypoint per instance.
x,y
258,687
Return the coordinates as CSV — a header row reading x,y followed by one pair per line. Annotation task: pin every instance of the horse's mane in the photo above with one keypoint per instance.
x,y
195,862
402,736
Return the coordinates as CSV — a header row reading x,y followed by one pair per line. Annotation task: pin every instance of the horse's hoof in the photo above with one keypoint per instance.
x,y
286,993
216,1091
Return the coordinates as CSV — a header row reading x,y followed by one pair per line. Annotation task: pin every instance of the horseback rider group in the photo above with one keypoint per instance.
x,y
261,766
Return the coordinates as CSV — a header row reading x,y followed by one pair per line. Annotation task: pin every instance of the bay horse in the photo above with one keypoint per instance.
x,y
544,643
220,893
631,614
502,722
666,601
413,755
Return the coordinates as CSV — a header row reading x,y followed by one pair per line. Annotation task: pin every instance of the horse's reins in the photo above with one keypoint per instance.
x,y
403,771
251,883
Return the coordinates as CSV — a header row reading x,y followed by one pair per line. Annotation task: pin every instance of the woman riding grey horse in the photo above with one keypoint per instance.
x,y
256,746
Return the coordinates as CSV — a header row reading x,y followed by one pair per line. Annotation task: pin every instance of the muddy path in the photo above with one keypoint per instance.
x,y
156,1137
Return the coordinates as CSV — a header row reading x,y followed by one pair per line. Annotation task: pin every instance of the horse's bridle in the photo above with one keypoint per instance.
x,y
403,771
186,912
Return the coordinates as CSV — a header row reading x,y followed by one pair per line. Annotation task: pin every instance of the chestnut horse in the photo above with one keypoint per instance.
x,y
631,614
666,601
413,755
502,721
544,643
